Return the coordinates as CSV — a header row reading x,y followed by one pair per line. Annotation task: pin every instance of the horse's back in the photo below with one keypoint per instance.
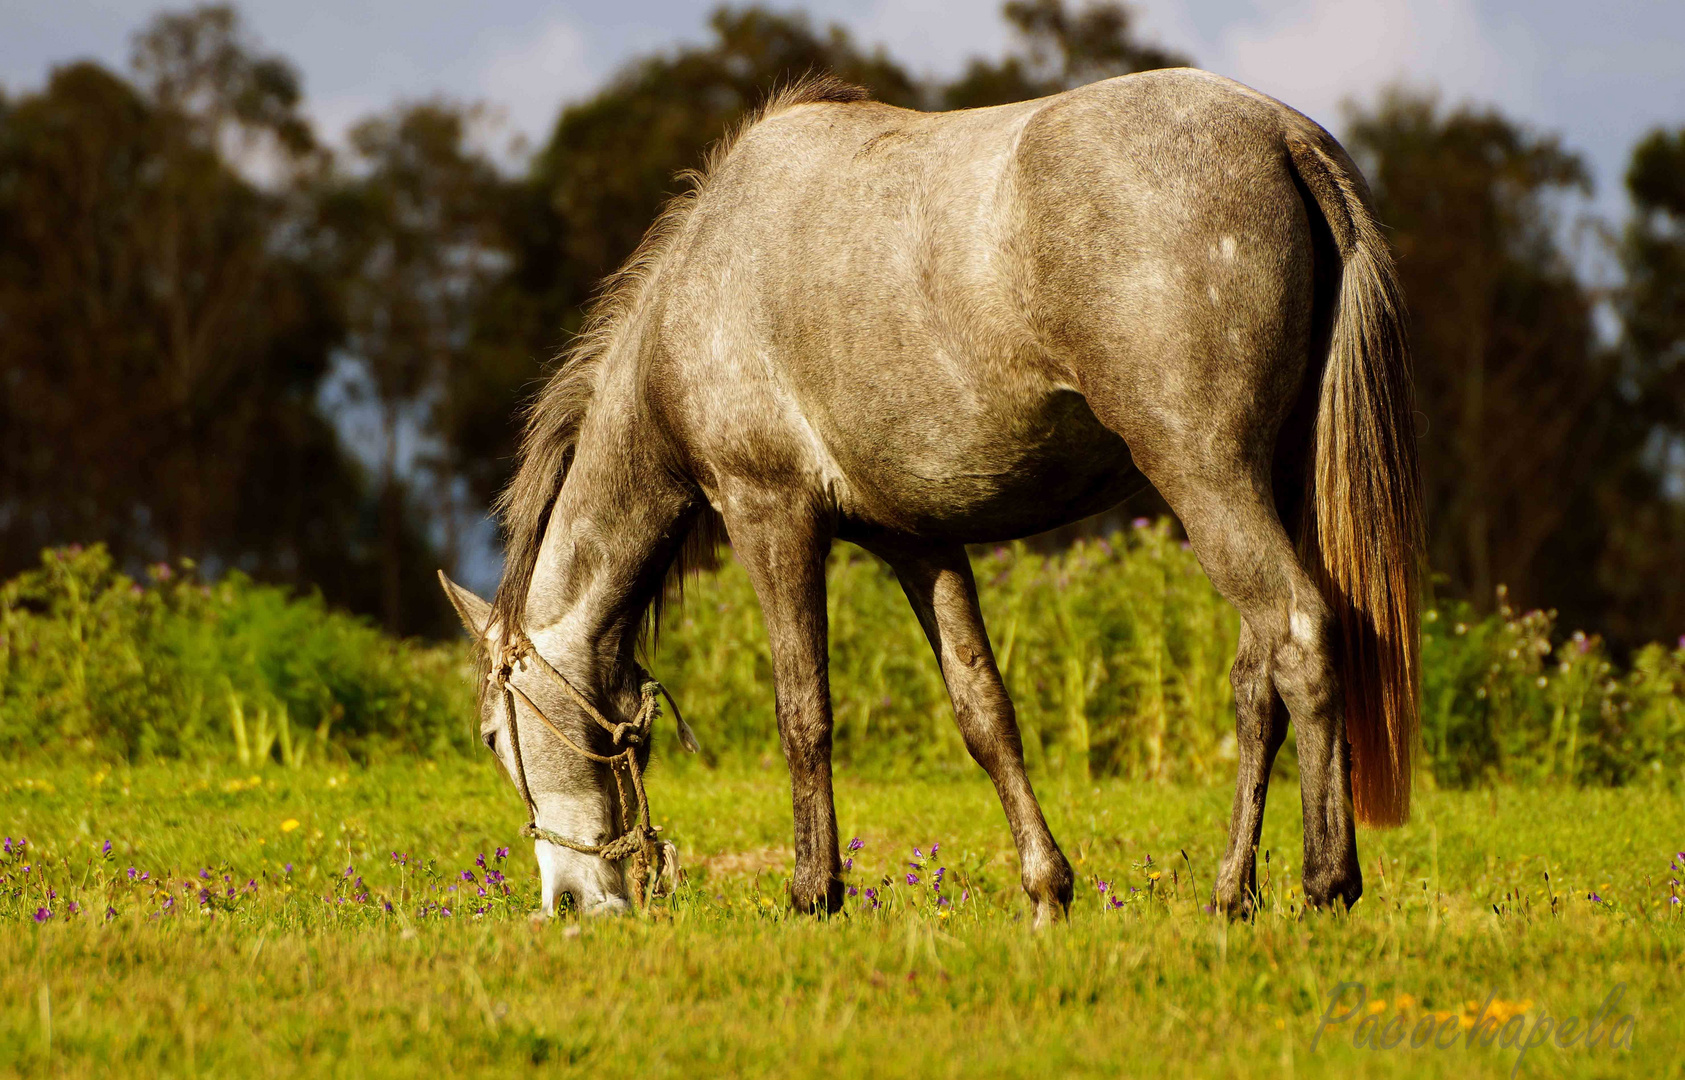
x,y
910,306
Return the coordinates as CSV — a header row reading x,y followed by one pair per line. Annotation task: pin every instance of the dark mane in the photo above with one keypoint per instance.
x,y
553,419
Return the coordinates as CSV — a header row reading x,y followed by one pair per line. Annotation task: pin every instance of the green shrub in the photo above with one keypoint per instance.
x,y
1502,698
1116,653
93,660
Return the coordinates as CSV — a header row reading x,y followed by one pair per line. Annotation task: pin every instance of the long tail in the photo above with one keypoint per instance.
x,y
1362,534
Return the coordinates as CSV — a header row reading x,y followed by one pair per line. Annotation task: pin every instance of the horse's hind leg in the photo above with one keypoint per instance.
x,y
939,585
783,548
1289,639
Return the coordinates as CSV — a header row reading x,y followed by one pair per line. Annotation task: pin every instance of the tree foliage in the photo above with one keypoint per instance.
x,y
185,267
1059,49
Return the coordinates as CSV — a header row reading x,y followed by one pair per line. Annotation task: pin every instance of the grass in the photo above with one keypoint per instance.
x,y
1458,920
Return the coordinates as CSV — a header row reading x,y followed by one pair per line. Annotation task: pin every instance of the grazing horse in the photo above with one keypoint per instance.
x,y
915,331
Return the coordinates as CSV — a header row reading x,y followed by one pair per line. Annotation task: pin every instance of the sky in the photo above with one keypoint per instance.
x,y
1599,74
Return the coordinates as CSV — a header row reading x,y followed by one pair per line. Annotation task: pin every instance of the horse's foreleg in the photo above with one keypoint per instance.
x,y
784,554
944,596
1260,727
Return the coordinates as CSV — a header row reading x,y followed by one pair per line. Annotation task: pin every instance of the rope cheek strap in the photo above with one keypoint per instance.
x,y
640,841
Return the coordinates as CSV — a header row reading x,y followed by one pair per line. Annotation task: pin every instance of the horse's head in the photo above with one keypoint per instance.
x,y
547,750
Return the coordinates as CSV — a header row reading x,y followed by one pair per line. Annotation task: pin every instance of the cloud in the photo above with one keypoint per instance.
x,y
531,75
1314,54
934,36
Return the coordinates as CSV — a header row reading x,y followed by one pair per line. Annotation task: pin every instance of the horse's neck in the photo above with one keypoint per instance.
x,y
608,538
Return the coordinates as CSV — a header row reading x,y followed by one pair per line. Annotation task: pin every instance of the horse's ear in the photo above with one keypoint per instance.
x,y
473,611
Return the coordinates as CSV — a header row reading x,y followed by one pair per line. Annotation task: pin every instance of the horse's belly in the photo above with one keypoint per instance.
x,y
977,478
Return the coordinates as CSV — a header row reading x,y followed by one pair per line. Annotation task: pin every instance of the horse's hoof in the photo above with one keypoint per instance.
x,y
1047,913
612,905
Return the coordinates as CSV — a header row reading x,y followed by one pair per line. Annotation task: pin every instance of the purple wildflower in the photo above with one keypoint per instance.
x,y
917,854
110,913
852,891
42,914
1594,898
912,879
468,875
848,864
204,896
348,872
287,868
1140,523
934,848
853,845
75,908
106,850
503,853
131,873
206,874
480,860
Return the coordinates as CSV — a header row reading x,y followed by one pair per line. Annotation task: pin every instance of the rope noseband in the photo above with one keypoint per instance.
x,y
640,841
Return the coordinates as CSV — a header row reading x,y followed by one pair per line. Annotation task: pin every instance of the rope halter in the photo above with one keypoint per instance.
x,y
640,841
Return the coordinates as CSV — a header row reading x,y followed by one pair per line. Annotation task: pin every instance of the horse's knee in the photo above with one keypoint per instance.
x,y
806,740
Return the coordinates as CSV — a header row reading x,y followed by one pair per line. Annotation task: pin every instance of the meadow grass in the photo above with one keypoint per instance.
x,y
1458,922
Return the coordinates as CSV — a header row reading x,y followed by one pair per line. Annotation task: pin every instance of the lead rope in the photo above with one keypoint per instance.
x,y
640,841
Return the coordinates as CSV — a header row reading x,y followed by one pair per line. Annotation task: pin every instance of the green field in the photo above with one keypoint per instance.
x,y
1458,922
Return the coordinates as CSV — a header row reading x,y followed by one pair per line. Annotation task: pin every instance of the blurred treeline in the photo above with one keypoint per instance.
x,y
191,283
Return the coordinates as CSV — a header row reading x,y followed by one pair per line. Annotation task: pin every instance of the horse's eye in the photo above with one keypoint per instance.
x,y
490,739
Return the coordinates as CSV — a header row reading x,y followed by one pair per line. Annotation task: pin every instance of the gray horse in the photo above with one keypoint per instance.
x,y
917,331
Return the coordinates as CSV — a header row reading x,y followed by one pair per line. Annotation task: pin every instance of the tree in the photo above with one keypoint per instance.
x,y
165,324
1646,504
1061,49
417,242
